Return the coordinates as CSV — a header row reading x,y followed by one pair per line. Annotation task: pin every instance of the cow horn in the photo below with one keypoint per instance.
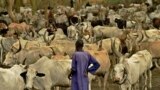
x,y
140,37
53,52
52,39
24,61
71,22
118,54
20,47
44,37
146,34
48,42
3,45
26,45
100,46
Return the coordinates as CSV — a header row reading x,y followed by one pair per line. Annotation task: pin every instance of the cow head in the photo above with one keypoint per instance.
x,y
119,73
29,76
11,57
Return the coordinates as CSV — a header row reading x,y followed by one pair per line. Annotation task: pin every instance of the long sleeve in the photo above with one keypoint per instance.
x,y
95,66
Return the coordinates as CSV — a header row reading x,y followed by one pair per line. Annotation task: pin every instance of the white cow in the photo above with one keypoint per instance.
x,y
10,78
127,72
46,73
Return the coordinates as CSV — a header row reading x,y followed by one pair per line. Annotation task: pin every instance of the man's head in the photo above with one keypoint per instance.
x,y
79,44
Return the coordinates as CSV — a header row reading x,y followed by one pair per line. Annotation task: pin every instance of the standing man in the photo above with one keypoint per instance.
x,y
81,61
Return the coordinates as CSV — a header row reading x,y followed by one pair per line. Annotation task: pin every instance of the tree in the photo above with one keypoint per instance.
x,y
10,4
34,5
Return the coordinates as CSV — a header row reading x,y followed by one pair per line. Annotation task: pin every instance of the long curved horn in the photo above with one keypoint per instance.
x,y
52,39
53,52
44,37
113,47
25,46
100,45
23,63
73,23
146,34
140,37
3,45
20,47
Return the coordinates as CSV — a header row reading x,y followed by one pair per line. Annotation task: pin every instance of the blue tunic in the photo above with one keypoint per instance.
x,y
80,65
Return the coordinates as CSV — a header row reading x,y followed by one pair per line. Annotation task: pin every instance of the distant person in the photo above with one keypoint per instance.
x,y
51,21
81,61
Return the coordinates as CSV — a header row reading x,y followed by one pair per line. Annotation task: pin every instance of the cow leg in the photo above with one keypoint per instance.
x,y
145,83
57,88
1,56
99,81
90,86
47,83
135,86
91,77
150,79
124,87
129,87
105,81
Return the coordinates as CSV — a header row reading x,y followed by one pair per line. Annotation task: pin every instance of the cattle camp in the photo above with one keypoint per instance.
x,y
38,38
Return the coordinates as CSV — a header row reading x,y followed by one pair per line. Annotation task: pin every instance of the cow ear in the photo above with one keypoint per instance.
x,y
40,74
23,74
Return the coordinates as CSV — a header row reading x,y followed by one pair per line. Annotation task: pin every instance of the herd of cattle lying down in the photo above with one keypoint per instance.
x,y
36,52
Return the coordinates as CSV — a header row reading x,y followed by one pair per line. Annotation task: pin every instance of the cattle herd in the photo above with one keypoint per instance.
x,y
36,51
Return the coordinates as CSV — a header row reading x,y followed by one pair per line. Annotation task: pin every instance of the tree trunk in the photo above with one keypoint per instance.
x,y
10,4
34,5
18,4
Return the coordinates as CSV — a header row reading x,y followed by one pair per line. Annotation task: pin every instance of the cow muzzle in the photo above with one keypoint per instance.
x,y
116,80
27,88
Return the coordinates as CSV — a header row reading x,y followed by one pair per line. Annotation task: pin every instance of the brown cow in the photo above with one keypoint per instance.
x,y
19,28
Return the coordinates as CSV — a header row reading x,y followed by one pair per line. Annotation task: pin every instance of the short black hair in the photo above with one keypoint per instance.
x,y
79,43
